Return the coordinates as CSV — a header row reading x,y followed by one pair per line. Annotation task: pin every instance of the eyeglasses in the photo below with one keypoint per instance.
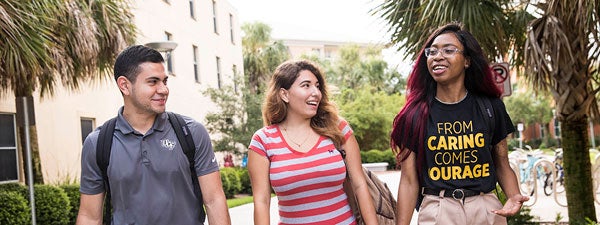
x,y
446,52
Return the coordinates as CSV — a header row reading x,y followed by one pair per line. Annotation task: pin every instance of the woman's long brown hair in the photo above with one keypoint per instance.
x,y
274,109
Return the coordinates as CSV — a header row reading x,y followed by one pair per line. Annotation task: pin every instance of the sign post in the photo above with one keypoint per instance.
x,y
502,77
520,129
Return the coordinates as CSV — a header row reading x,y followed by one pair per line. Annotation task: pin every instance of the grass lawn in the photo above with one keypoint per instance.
x,y
241,200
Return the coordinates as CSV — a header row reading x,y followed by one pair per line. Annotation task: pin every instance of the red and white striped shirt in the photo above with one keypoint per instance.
x,y
309,186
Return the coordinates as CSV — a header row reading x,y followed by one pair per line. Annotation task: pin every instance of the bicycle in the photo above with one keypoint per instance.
x,y
555,179
533,167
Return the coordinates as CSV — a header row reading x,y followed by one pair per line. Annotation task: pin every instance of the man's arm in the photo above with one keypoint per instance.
x,y
214,199
90,209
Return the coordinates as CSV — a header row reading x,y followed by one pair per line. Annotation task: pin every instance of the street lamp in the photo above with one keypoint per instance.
x,y
162,46
165,47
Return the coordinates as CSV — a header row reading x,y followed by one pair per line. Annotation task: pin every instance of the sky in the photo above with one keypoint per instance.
x,y
325,20
329,20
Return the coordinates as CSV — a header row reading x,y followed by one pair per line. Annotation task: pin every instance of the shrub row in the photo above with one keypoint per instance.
x,y
53,205
60,204
235,181
375,156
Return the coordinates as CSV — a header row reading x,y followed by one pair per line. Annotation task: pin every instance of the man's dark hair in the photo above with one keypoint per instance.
x,y
128,61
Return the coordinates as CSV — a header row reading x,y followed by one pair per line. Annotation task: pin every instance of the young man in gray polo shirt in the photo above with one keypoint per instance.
x,y
149,173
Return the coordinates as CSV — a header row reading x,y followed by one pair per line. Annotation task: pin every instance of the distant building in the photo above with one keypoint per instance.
x,y
328,50
208,50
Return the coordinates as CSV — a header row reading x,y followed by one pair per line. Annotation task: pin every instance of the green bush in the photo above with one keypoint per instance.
x,y
16,187
373,156
51,205
14,209
244,180
231,182
390,158
72,191
513,143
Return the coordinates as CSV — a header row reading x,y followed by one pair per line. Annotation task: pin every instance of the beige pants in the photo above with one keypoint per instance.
x,y
476,210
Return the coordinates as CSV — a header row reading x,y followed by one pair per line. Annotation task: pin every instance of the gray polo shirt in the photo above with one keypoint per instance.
x,y
149,174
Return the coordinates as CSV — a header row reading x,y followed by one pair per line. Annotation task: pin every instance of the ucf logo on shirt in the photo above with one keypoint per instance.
x,y
168,144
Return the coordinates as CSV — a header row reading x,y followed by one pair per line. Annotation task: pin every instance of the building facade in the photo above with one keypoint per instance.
x,y
208,52
327,50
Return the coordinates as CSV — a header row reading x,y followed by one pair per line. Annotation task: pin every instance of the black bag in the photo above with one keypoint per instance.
x,y
104,145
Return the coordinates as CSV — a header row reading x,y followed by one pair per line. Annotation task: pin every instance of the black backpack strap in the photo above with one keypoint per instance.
x,y
485,106
184,136
103,148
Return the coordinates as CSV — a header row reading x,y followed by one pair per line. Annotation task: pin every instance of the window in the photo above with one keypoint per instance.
x,y
87,126
316,51
231,28
328,54
235,77
214,11
195,58
169,55
9,167
192,11
219,72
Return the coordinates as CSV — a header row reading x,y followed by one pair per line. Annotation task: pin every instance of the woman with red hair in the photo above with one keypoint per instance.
x,y
450,154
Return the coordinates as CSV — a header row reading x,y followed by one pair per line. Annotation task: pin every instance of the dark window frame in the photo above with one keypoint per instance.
x,y
14,148
92,125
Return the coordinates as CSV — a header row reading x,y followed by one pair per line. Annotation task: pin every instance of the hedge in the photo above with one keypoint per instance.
x,y
14,209
245,181
72,191
231,181
17,187
52,205
375,156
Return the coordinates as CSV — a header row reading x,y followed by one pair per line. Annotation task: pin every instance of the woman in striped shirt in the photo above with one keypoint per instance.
x,y
295,153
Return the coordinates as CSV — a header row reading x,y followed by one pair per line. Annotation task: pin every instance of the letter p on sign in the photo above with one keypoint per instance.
x,y
502,77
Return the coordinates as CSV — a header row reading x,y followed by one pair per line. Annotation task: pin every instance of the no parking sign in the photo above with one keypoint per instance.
x,y
502,77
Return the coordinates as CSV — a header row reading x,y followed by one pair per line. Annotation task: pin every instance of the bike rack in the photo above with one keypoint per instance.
x,y
544,163
554,179
596,177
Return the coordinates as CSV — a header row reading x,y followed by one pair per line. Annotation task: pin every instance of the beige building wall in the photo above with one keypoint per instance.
x,y
328,50
58,117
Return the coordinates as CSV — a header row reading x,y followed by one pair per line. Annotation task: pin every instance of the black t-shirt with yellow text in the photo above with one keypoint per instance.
x,y
458,146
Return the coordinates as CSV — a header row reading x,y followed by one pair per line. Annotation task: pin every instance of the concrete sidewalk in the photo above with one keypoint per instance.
x,y
544,208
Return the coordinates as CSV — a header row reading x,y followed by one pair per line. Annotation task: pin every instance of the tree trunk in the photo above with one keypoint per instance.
x,y
38,178
577,168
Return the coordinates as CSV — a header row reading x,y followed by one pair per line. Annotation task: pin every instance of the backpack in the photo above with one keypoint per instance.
x,y
485,105
383,200
104,145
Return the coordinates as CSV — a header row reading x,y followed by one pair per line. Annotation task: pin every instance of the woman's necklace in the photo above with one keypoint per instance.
x,y
456,102
290,138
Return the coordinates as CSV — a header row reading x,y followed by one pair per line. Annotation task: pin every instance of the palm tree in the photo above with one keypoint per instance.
x,y
553,43
57,42
261,55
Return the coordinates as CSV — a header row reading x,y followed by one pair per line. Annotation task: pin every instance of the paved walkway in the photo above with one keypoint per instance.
x,y
545,208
